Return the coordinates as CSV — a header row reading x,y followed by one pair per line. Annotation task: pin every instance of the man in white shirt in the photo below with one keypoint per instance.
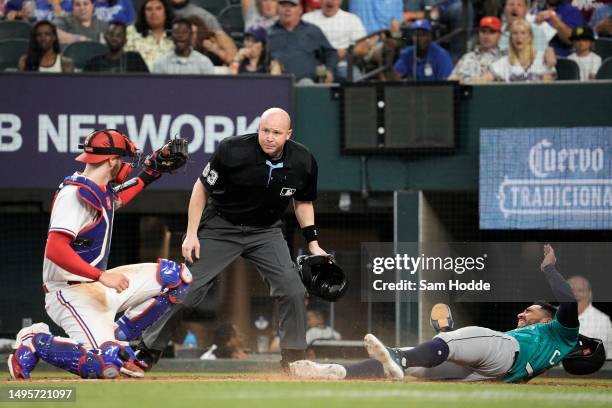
x,y
184,59
342,29
593,322
517,9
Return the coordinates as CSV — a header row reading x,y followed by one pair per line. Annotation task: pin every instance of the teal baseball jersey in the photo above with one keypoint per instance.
x,y
542,346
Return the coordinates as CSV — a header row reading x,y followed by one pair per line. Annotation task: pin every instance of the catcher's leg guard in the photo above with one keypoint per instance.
x,y
66,354
174,279
24,359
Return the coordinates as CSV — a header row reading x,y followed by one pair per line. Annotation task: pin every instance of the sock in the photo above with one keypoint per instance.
x,y
365,369
428,354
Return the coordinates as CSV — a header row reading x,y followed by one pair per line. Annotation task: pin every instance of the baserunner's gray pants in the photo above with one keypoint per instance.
x,y
475,354
220,243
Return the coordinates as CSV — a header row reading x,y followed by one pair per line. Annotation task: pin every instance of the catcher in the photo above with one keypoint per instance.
x,y
82,296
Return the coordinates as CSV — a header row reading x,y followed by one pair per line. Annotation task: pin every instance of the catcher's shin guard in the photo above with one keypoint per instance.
x,y
24,359
68,355
174,279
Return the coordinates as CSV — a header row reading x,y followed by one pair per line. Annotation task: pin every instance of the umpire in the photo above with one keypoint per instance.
x,y
243,191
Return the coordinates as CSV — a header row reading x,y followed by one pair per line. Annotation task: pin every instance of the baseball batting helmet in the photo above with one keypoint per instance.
x,y
586,358
104,144
322,276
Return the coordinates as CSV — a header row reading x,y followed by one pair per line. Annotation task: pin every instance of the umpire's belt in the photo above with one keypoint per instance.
x,y
243,221
53,286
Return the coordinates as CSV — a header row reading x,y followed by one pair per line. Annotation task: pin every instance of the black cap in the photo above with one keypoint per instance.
x,y
582,33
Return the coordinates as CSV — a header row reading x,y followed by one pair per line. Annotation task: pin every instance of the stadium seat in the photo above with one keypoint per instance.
x,y
567,70
14,29
231,19
603,48
605,71
213,6
10,51
81,52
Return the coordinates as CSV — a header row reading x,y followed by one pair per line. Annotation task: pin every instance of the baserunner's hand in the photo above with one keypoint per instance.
x,y
549,257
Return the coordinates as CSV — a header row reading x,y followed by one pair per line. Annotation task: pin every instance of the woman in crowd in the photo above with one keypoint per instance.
x,y
523,63
253,58
44,51
149,36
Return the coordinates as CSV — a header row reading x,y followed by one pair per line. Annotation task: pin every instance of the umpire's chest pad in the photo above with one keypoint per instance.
x,y
248,172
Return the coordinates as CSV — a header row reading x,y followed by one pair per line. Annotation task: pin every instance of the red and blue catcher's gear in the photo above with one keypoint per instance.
x,y
22,362
101,145
105,144
174,279
92,244
105,362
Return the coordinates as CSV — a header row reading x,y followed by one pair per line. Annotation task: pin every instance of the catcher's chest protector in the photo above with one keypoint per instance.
x,y
93,244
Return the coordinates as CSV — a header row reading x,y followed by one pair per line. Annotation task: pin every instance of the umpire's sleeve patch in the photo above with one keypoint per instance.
x,y
212,177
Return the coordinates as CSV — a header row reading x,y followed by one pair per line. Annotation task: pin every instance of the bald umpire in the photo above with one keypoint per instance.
x,y
243,191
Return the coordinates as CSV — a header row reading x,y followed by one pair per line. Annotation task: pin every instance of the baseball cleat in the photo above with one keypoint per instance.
x,y
441,318
22,362
131,369
314,371
148,356
387,356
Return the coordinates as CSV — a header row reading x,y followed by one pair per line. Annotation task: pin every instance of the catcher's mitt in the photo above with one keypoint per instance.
x,y
172,156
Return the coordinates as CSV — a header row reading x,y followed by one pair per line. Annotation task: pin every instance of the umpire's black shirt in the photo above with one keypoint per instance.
x,y
246,187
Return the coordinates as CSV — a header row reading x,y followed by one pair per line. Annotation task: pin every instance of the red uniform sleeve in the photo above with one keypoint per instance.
x,y
132,187
125,196
59,251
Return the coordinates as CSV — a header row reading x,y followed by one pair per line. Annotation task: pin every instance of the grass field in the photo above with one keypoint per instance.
x,y
271,390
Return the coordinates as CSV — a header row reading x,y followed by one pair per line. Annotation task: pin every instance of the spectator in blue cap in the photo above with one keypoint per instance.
x,y
431,62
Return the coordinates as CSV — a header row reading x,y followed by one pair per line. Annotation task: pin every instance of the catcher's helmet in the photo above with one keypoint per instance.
x,y
322,276
586,358
104,144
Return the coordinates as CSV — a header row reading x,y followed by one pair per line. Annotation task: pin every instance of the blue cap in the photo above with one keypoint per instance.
x,y
258,33
421,25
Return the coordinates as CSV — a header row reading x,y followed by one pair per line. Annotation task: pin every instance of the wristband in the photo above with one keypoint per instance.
x,y
148,176
310,233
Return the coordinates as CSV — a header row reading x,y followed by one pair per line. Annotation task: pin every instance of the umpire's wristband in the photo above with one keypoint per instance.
x,y
310,233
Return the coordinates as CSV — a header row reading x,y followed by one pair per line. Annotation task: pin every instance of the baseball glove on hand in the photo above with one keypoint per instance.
x,y
172,156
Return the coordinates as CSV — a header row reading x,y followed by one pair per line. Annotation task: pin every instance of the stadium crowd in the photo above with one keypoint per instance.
x,y
316,40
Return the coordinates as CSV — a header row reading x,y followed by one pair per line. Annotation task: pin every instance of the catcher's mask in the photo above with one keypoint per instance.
x,y
586,358
322,276
105,144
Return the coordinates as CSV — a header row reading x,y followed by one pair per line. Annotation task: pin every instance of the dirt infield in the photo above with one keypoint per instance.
x,y
55,377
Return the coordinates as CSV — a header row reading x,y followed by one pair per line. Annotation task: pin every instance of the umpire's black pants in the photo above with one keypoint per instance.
x,y
220,243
